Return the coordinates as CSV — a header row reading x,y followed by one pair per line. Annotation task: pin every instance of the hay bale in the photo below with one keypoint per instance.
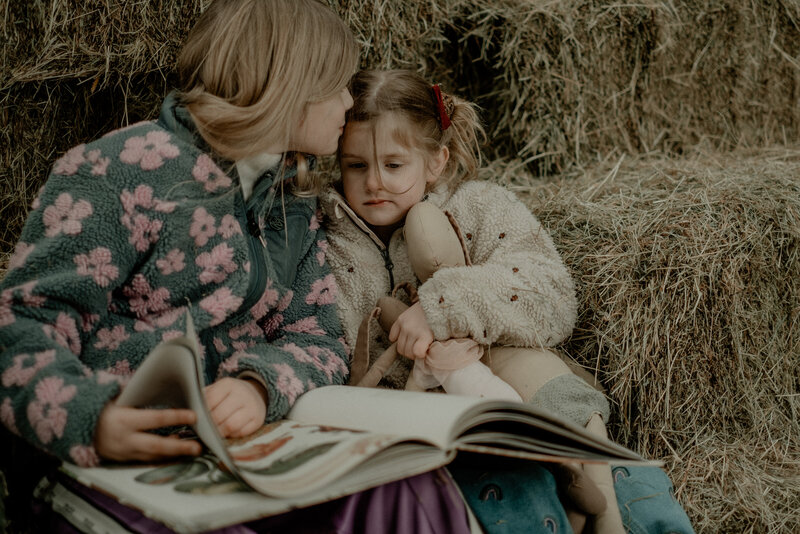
x,y
688,274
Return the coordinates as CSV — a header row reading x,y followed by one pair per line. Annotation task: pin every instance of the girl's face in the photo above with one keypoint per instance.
x,y
382,178
319,130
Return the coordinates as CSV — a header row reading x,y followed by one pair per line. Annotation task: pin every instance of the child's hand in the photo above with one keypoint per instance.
x,y
412,333
122,434
238,407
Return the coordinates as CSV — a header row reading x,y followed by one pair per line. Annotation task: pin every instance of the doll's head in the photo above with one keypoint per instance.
x,y
402,137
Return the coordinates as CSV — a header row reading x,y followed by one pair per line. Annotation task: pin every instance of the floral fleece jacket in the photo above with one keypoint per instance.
x,y
518,292
130,232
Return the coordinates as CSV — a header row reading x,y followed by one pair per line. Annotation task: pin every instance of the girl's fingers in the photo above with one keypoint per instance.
x,y
148,447
149,419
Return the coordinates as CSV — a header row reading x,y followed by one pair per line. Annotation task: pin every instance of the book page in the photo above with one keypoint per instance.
x,y
412,414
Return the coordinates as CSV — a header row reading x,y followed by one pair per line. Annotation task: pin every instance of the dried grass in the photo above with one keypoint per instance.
x,y
689,282
686,258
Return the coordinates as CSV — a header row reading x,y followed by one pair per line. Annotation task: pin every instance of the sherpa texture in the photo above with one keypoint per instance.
x,y
518,291
132,231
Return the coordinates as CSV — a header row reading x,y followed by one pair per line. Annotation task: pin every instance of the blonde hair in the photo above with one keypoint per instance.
x,y
406,94
250,67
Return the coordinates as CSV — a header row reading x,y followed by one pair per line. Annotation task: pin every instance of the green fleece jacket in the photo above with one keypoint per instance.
x,y
129,233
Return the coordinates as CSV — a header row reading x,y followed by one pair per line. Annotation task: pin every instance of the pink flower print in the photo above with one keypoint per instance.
x,y
97,264
143,230
84,456
219,304
241,346
216,265
142,197
287,383
99,164
250,329
150,151
65,216
20,375
168,317
46,414
7,416
64,332
220,346
229,227
112,338
323,249
88,321
202,227
28,298
6,315
344,345
121,368
307,325
313,224
323,291
21,253
333,364
171,334
206,172
70,162
172,262
267,301
143,299
231,365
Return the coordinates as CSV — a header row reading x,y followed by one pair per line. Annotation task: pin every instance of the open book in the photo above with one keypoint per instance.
x,y
335,441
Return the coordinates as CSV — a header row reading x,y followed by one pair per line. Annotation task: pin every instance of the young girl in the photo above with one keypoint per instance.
x,y
204,211
404,143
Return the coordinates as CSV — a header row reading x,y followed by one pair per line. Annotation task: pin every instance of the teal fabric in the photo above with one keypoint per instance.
x,y
647,502
510,496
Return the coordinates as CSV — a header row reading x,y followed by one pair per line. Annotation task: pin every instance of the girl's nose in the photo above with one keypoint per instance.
x,y
373,182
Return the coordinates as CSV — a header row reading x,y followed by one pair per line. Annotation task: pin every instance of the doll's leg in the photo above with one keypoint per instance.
x,y
544,380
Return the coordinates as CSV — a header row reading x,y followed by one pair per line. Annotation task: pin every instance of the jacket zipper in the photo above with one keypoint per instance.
x,y
383,249
387,262
256,244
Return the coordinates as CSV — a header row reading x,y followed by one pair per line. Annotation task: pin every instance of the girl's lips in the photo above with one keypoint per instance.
x,y
375,202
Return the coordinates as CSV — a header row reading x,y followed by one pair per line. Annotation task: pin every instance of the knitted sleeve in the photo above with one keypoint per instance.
x,y
71,255
518,290
307,347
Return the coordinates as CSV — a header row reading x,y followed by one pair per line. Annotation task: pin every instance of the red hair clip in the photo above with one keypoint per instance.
x,y
444,118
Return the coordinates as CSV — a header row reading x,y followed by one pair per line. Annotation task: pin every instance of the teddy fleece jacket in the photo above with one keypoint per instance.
x,y
130,233
518,292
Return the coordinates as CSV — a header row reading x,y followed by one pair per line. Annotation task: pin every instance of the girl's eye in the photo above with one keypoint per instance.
x,y
355,165
393,165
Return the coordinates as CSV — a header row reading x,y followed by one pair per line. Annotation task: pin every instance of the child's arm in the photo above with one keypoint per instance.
x,y
518,290
47,395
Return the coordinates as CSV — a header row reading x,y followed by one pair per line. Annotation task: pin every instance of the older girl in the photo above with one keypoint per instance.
x,y
205,211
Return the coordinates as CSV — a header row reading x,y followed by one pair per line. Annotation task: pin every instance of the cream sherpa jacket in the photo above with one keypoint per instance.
x,y
518,292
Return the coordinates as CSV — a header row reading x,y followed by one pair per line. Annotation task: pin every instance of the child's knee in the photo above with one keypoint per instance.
x,y
570,396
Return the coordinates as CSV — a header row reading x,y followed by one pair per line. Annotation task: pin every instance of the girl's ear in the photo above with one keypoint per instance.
x,y
437,164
